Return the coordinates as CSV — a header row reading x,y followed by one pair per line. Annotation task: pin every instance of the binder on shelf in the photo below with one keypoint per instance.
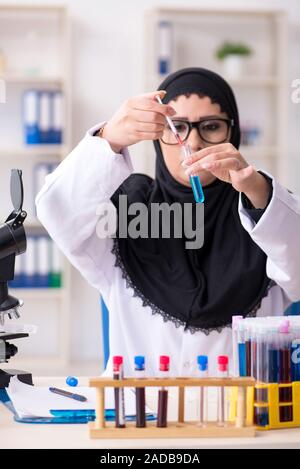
x,y
40,266
42,261
55,267
29,264
164,47
40,171
19,274
57,117
31,117
45,117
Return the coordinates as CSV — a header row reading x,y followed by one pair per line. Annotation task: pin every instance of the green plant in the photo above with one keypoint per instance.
x,y
232,48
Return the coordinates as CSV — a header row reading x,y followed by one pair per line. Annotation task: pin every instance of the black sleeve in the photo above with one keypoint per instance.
x,y
257,213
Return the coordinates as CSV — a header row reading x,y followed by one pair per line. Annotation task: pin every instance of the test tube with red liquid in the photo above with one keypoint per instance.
x,y
118,374
164,366
139,369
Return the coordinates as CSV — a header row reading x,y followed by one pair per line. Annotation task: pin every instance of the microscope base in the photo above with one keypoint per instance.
x,y
6,375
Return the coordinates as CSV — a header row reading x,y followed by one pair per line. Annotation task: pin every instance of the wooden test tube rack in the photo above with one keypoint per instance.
x,y
180,429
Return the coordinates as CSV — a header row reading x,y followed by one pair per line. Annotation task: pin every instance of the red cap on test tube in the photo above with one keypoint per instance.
x,y
117,362
222,362
164,363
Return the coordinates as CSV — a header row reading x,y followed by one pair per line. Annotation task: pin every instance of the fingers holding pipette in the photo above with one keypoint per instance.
x,y
139,118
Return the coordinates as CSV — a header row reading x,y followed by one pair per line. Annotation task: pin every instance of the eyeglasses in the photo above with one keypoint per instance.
x,y
212,130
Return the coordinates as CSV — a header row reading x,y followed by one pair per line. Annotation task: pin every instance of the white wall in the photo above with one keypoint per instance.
x,y
107,67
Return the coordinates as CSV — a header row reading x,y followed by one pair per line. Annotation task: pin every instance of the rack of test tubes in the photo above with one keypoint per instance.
x,y
161,427
268,349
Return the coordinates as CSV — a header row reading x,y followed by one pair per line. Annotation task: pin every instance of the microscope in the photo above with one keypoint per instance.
x,y
12,244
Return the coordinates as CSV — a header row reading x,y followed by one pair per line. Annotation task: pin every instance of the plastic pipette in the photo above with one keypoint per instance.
x,y
171,125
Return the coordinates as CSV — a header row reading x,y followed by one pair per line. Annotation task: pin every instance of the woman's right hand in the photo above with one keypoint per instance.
x,y
139,118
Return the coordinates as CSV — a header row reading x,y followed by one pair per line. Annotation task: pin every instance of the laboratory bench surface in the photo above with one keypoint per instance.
x,y
22,435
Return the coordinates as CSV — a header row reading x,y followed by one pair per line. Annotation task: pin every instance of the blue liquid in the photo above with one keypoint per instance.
x,y
242,359
261,417
197,189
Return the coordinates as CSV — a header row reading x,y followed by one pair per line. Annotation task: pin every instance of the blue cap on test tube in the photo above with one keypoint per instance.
x,y
139,362
202,361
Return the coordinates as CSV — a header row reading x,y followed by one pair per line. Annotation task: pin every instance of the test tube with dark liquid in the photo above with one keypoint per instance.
x,y
164,365
139,367
119,392
285,375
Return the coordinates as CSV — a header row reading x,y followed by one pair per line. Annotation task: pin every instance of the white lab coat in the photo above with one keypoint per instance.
x,y
67,207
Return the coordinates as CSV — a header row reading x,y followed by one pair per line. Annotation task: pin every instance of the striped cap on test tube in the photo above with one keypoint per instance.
x,y
164,363
139,362
222,362
117,362
202,361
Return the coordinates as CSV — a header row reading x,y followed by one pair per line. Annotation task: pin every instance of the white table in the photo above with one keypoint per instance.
x,y
18,435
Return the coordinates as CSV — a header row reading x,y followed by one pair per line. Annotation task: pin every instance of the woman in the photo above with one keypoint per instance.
x,y
162,297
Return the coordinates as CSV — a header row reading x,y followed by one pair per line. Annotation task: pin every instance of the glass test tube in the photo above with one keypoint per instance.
x,y
222,373
261,413
140,400
118,374
273,353
162,411
241,348
235,346
202,361
285,375
194,179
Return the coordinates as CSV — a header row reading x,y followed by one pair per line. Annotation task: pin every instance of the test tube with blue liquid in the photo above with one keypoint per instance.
x,y
194,179
235,344
241,348
186,153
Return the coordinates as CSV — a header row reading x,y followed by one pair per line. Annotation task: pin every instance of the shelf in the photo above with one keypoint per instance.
x,y
32,80
38,293
44,366
263,81
271,81
217,11
33,150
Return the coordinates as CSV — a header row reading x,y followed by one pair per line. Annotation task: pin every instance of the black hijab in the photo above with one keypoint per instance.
x,y
199,289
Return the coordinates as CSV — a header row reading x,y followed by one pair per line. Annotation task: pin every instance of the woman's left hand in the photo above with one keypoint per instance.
x,y
226,163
